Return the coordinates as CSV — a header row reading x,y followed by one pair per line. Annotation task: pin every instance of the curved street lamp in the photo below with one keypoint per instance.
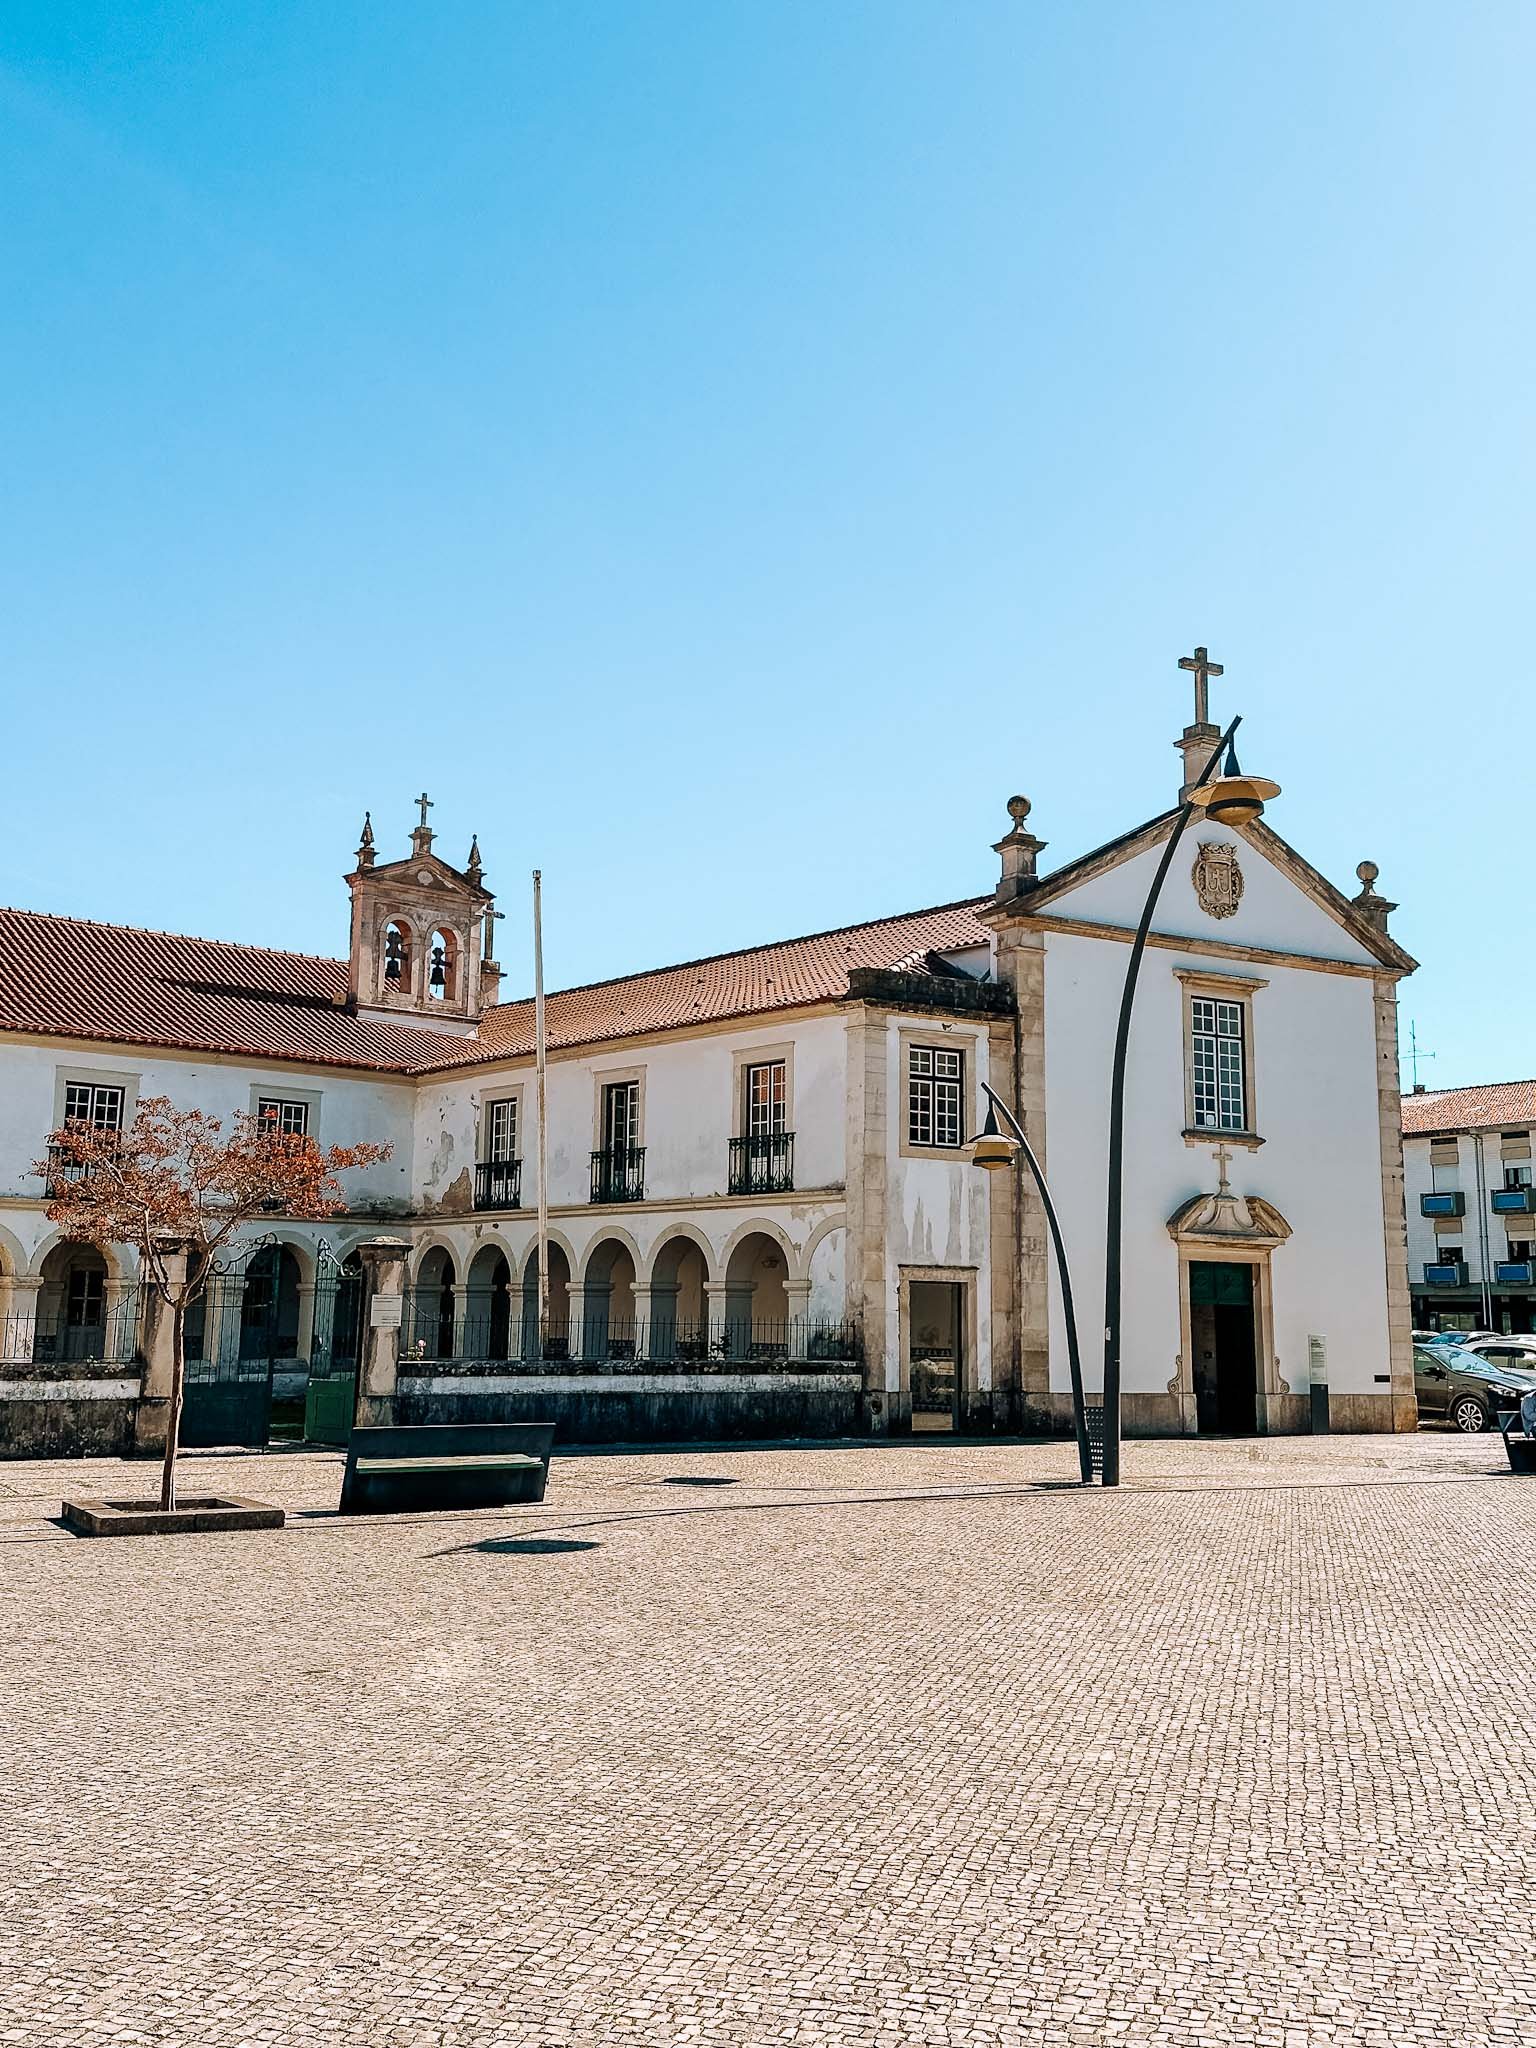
x,y
1228,798
998,1151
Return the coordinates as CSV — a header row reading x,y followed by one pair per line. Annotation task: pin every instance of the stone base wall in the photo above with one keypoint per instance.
x,y
643,1408
88,1417
1286,1415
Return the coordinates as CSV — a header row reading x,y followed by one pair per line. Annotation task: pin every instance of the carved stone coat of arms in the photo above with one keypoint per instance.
x,y
1218,879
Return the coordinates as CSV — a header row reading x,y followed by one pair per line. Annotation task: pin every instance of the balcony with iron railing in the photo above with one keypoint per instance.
x,y
1446,1273
1513,1201
1514,1273
498,1184
1449,1202
618,1174
763,1164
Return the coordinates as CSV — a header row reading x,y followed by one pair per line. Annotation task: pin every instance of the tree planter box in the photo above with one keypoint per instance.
x,y
200,1515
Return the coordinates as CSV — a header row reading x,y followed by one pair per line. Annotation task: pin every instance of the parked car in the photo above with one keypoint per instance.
x,y
1453,1336
1516,1352
1466,1388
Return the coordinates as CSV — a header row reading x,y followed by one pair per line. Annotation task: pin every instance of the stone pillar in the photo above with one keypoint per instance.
x,y
577,1310
1402,1404
18,1332
797,1298
157,1347
647,1333
461,1313
1196,743
384,1266
306,1330
866,1140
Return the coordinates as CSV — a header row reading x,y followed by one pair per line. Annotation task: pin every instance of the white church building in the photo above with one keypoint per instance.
x,y
763,1215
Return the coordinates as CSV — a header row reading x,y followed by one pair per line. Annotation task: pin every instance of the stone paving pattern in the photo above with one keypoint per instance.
x,y
865,1747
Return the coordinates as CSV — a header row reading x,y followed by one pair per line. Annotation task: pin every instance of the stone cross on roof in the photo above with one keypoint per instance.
x,y
427,804
1203,668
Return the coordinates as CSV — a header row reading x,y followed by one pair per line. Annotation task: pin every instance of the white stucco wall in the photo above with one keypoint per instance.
x,y
350,1109
1316,1108
1272,912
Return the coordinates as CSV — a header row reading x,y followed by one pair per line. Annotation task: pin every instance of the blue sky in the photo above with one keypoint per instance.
x,y
723,450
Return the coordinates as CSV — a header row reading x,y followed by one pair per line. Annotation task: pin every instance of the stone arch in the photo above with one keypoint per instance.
x,y
431,1318
85,1310
599,1250
13,1260
609,1278
303,1249
761,1226
121,1261
758,1301
446,954
675,1234
554,1341
488,1289
682,1266
405,952
424,1250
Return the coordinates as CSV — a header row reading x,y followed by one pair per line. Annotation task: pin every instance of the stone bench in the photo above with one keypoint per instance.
x,y
445,1465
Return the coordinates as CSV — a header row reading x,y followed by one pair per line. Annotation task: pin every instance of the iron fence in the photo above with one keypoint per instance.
x,y
618,1174
763,1165
501,1337
499,1184
54,1337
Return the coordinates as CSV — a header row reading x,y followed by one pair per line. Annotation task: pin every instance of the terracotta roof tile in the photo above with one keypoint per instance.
x,y
763,978
1485,1107
66,977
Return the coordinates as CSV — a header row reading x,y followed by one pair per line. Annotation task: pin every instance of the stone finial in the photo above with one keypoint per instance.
x,y
1019,849
365,844
472,865
1371,906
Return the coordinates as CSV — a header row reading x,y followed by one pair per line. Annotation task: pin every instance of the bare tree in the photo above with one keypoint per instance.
x,y
176,1179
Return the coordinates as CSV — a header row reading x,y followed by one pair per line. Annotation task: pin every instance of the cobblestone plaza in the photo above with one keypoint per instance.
x,y
851,1746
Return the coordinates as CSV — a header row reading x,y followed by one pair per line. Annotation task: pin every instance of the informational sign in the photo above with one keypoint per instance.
x,y
1317,1361
386,1311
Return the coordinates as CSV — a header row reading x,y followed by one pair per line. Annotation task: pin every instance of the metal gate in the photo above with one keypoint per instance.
x,y
269,1357
330,1396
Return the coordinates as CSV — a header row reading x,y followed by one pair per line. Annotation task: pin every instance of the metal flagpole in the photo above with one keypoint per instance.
x,y
538,1049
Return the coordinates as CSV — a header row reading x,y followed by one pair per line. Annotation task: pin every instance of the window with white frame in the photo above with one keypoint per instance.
x,y
86,1102
501,1131
288,1119
621,1115
935,1096
1218,1057
1517,1176
767,1102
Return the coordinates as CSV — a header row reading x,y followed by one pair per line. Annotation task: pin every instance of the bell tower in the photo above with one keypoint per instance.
x,y
423,935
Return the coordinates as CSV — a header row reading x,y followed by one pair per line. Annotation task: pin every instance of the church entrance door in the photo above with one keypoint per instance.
x,y
1221,1322
935,1311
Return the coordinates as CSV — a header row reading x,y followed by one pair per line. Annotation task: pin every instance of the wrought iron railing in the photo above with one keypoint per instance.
x,y
618,1173
763,1164
498,1184
500,1337
64,1170
51,1338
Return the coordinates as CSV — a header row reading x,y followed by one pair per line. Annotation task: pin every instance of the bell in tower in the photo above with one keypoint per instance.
x,y
422,933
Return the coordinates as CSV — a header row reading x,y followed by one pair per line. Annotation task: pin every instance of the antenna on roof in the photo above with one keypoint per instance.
x,y
1415,1055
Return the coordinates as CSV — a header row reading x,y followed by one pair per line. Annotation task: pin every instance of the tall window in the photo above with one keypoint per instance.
x,y
501,1131
288,1119
766,1102
621,1115
85,1103
935,1114
1216,1049
1517,1176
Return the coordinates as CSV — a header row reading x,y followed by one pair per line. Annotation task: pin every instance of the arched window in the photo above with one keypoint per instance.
x,y
443,972
396,972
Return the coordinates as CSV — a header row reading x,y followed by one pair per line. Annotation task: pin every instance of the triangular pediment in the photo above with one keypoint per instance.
x,y
425,871
1256,892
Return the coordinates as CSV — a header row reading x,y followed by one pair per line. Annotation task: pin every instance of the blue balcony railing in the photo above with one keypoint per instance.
x,y
1513,1201
1448,1273
1452,1203
1515,1273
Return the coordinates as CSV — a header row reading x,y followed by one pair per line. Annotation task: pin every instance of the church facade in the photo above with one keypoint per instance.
x,y
761,1200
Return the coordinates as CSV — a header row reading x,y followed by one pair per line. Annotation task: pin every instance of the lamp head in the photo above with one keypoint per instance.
x,y
1233,798
992,1149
